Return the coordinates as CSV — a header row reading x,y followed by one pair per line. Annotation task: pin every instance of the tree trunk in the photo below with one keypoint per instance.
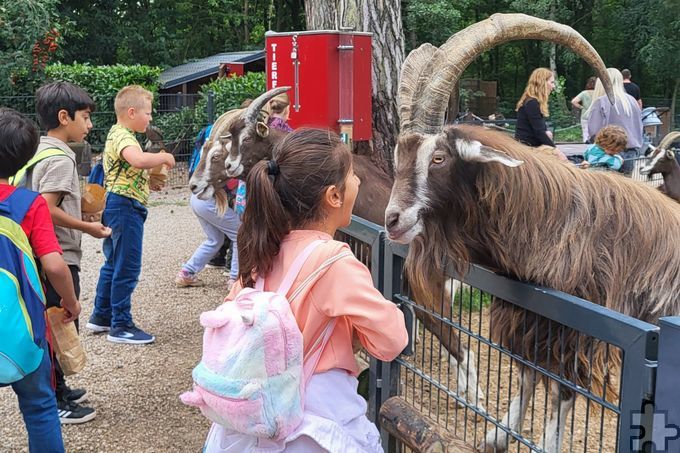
x,y
246,32
674,101
383,19
321,14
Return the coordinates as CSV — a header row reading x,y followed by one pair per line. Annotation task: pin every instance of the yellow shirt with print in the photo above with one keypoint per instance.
x,y
120,177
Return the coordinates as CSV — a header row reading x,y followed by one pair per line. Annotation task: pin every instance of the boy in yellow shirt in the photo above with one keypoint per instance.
x,y
127,185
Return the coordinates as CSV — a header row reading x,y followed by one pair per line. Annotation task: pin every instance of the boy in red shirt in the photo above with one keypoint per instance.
x,y
18,142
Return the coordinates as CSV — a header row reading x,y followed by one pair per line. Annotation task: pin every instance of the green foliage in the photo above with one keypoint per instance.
x,y
570,134
229,93
470,299
560,115
103,82
23,23
432,21
181,125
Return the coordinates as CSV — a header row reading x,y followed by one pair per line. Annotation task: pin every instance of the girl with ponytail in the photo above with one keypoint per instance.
x,y
304,194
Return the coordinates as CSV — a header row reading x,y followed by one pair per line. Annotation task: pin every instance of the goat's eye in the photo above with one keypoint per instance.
x,y
438,159
215,157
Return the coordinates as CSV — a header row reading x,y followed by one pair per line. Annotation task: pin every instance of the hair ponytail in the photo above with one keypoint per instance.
x,y
286,193
265,224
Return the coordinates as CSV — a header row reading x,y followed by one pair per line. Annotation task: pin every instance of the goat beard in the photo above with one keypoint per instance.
x,y
438,245
221,201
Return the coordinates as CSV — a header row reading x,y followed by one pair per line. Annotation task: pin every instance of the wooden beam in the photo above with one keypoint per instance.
x,y
418,432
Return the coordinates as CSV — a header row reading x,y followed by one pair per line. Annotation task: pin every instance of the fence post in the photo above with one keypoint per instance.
x,y
666,430
375,366
389,371
637,393
210,107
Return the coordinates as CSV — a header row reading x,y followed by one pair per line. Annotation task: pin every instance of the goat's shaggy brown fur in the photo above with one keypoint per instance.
x,y
599,236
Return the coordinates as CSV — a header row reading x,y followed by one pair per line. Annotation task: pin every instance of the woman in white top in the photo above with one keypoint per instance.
x,y
625,113
582,102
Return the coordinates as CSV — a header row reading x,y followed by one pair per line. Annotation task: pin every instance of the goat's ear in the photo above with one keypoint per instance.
x,y
262,129
473,151
670,154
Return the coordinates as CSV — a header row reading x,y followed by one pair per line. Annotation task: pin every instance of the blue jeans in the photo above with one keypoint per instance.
x,y
38,406
119,275
215,227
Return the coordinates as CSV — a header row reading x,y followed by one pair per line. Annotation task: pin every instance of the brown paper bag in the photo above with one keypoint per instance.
x,y
158,176
66,342
92,202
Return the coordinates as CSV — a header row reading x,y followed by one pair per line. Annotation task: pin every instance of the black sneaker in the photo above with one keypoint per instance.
x,y
72,395
216,262
71,413
97,324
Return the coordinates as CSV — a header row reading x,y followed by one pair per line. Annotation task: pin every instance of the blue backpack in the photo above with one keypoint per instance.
x,y
22,300
96,175
198,145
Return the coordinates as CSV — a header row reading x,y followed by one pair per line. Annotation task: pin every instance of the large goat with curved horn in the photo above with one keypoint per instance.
x,y
435,85
474,195
251,141
664,161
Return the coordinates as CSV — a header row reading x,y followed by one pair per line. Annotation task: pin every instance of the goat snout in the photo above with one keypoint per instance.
x,y
391,219
193,187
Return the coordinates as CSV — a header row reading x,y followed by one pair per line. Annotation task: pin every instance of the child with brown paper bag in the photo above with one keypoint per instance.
x,y
66,342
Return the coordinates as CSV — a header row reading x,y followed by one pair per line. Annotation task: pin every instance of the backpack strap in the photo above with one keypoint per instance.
x,y
17,204
313,355
294,270
39,156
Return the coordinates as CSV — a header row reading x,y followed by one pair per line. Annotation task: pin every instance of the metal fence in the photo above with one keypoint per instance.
x,y
468,392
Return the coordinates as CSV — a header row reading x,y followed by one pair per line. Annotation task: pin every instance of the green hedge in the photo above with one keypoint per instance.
x,y
104,82
229,93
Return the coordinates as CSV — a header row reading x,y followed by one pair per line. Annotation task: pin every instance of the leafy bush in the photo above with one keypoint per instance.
x,y
103,82
180,125
229,93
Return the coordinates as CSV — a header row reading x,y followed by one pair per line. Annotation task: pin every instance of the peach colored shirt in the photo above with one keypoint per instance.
x,y
344,290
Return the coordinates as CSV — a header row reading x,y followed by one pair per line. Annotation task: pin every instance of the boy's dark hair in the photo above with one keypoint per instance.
x,y
60,95
19,139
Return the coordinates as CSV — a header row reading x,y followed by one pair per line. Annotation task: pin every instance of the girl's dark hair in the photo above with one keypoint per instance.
x,y
19,139
288,197
60,95
590,83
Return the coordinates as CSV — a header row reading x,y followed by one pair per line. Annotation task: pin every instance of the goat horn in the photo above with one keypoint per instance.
x,y
253,110
408,80
668,140
450,60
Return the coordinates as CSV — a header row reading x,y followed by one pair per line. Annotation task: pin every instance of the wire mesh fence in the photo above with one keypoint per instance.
x,y
506,366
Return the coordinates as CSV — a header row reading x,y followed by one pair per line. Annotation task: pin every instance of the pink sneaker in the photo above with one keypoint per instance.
x,y
186,279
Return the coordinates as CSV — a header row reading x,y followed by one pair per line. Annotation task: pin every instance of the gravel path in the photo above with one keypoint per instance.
x,y
135,389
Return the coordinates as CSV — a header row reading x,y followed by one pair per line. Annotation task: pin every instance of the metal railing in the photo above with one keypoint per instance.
x,y
614,414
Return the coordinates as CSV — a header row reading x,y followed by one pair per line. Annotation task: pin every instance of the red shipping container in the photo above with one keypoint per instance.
x,y
330,76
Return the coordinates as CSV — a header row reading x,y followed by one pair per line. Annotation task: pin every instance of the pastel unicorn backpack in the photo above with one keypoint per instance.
x,y
253,373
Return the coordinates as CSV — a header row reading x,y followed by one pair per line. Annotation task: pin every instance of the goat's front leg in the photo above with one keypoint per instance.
x,y
497,440
468,387
562,403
